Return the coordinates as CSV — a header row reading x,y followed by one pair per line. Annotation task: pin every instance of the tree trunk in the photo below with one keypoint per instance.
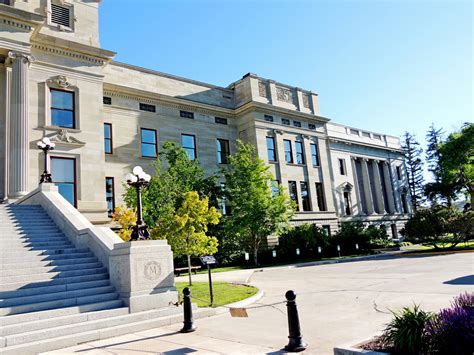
x,y
189,270
255,254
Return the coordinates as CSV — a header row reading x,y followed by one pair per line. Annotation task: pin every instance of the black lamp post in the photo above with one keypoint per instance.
x,y
46,145
139,179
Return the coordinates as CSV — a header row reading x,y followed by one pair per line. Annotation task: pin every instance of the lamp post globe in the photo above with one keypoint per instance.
x,y
46,145
139,179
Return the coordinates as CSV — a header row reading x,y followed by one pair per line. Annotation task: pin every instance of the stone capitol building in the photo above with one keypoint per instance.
x,y
106,117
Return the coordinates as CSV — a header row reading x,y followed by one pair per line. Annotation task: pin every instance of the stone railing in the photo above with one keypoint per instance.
x,y
141,272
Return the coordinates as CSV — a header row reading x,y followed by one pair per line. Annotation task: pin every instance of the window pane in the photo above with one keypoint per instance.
x,y
148,136
187,141
148,150
62,170
107,131
62,99
191,153
67,191
299,152
62,118
108,146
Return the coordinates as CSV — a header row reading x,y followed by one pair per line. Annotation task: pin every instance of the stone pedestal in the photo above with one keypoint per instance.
x,y
143,274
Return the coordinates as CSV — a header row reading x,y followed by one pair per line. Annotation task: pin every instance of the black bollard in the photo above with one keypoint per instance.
x,y
188,312
296,342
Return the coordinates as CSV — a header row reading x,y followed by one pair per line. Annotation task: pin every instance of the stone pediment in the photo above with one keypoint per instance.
x,y
63,137
346,187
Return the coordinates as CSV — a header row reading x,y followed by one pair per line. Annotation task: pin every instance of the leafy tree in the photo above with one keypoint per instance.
x,y
256,213
441,227
174,175
414,166
186,231
457,160
127,219
306,237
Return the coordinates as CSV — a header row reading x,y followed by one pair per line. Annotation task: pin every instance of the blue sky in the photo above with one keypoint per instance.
x,y
387,66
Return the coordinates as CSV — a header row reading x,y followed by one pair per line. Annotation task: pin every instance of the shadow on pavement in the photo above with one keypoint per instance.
x,y
463,280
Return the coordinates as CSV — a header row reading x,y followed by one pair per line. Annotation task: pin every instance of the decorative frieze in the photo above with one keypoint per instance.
x,y
284,94
59,80
262,89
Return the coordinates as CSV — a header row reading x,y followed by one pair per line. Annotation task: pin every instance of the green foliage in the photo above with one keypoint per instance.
x,y
441,227
457,160
405,332
349,234
186,232
256,213
174,175
307,238
414,167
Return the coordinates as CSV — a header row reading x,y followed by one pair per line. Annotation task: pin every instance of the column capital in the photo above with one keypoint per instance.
x,y
12,56
278,131
353,158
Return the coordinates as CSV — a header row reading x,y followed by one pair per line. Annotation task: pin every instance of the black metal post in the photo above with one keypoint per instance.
x,y
188,312
46,176
210,284
140,229
296,342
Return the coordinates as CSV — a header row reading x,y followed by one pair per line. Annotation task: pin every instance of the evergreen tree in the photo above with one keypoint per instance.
x,y
414,166
434,138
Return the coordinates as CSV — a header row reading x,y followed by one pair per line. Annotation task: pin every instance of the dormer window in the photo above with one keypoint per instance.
x,y
61,15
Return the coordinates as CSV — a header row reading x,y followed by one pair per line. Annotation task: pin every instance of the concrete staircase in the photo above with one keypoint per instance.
x,y
54,295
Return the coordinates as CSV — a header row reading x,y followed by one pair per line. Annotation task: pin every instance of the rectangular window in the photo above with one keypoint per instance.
x,y
271,149
220,120
63,171
399,173
60,15
222,151
147,107
347,203
314,154
293,193
108,147
148,140
305,196
110,195
288,151
107,100
297,123
404,203
366,134
275,188
5,2
186,114
188,142
299,152
378,136
354,131
285,121
327,229
268,118
312,126
342,166
320,197
62,108
393,226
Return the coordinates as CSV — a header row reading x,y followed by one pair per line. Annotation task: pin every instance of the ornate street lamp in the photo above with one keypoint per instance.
x,y
139,179
46,145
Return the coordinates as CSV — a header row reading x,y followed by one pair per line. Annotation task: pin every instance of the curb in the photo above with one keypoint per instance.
x,y
408,254
238,304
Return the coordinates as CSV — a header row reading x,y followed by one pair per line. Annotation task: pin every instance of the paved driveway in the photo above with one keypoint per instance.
x,y
338,304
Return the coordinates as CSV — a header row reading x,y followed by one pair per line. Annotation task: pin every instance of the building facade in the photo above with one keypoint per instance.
x,y
106,117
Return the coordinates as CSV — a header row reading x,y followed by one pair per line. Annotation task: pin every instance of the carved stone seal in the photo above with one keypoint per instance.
x,y
152,270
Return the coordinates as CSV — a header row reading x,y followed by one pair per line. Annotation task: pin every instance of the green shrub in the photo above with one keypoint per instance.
x,y
306,237
405,332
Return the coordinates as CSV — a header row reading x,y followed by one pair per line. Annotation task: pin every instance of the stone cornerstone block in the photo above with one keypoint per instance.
x,y
142,272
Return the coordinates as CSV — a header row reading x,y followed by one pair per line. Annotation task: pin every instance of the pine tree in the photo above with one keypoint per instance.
x,y
414,166
434,139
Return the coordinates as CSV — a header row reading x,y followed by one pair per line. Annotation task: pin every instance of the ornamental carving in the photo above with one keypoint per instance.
x,y
306,100
152,270
284,94
59,80
262,89
63,137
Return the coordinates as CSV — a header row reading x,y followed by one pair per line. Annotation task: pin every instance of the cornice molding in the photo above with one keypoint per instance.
x,y
68,53
351,142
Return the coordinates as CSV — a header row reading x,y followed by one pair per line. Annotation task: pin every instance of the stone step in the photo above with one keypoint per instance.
x,y
61,303
6,254
102,330
24,292
47,297
50,275
53,282
64,244
53,322
46,269
46,263
31,243
54,257
26,236
28,229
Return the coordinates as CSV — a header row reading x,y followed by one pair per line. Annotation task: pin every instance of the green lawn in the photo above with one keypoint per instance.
x,y
224,293
429,248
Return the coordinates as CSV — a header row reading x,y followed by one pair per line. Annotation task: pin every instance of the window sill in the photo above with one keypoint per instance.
x,y
295,164
272,162
55,128
149,158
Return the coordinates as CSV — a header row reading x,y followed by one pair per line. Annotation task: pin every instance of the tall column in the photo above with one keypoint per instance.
x,y
389,187
356,186
280,155
367,190
311,172
378,187
18,153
